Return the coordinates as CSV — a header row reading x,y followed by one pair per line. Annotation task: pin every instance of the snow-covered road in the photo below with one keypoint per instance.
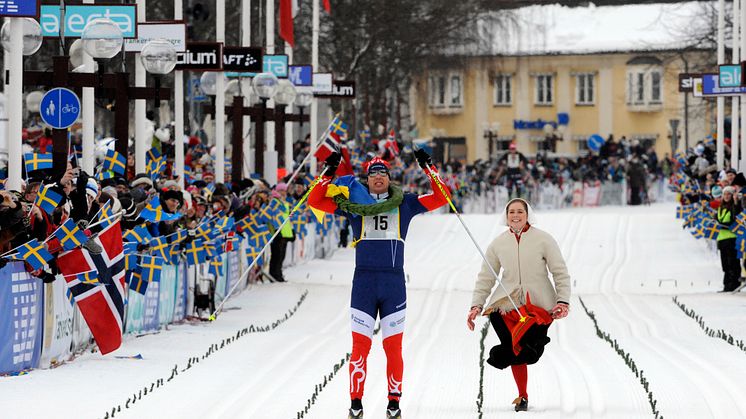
x,y
626,264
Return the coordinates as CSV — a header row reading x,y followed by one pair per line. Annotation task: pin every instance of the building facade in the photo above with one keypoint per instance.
x,y
556,102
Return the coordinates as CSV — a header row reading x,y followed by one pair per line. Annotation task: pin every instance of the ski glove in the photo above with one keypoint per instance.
x,y
423,159
332,162
560,311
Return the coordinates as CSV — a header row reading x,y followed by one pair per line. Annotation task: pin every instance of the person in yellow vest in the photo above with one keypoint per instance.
x,y
280,243
726,218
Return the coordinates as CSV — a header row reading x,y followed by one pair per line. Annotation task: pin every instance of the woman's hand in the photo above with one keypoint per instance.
x,y
560,311
473,313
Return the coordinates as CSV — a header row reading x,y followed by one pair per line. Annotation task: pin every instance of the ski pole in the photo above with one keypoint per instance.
x,y
471,236
315,182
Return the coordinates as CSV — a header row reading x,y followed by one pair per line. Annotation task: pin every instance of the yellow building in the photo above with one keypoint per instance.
x,y
567,73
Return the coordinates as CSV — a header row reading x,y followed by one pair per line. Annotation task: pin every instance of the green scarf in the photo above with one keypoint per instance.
x,y
396,196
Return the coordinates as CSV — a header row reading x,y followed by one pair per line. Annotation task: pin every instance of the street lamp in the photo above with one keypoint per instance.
x,y
19,37
302,100
158,57
102,38
32,37
284,96
491,135
265,85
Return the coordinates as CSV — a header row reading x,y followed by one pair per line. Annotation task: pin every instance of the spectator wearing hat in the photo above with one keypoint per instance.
x,y
726,214
171,201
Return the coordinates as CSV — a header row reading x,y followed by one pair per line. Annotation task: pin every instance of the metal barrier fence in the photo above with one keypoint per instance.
x,y
576,194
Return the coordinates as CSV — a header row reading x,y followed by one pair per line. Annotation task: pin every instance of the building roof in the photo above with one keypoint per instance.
x,y
558,29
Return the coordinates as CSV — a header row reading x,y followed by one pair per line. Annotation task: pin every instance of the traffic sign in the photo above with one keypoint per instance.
x,y
595,142
59,108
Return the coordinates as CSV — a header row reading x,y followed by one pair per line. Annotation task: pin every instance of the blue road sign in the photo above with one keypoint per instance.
x,y
595,142
60,108
19,8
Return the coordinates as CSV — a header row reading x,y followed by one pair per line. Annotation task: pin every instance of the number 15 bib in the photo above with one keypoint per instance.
x,y
382,226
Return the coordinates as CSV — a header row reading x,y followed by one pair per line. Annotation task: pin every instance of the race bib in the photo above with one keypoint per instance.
x,y
382,226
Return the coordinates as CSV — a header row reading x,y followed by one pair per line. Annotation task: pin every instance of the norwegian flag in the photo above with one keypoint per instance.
x,y
329,146
390,148
103,306
345,166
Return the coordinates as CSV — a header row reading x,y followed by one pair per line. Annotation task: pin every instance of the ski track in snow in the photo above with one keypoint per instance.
x,y
625,277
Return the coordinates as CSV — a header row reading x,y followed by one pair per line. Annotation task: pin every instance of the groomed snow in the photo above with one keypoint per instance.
x,y
626,263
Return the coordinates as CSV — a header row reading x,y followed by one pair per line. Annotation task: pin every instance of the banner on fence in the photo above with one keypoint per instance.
x,y
21,312
58,324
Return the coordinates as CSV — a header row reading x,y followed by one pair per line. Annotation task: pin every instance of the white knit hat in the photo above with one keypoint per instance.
x,y
91,188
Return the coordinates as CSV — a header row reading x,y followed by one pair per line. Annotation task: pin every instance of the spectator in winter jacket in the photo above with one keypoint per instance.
x,y
526,284
726,218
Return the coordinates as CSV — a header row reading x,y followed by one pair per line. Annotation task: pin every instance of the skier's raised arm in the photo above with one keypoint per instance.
x,y
434,199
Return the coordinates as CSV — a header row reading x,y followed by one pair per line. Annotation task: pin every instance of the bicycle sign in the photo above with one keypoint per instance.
x,y
60,108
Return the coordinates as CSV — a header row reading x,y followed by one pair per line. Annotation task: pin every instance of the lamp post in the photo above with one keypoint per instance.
x,y
491,135
265,86
302,100
19,36
284,96
158,57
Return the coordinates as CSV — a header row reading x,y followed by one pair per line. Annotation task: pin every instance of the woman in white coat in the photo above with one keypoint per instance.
x,y
525,254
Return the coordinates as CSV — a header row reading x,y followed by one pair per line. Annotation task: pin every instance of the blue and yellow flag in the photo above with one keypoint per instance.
x,y
154,213
136,281
151,267
37,161
115,162
159,247
47,199
195,252
253,253
69,235
35,253
216,266
87,277
139,234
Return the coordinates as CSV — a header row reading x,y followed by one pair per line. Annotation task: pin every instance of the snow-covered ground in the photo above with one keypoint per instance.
x,y
626,264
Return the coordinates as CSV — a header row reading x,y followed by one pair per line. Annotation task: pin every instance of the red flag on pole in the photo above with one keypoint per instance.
x,y
328,6
286,22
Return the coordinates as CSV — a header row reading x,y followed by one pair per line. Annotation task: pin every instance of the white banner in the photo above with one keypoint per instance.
x,y
174,32
58,324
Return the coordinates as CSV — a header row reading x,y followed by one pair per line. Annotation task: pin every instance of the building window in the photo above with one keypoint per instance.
x,y
655,87
445,91
639,88
584,89
544,89
455,91
503,92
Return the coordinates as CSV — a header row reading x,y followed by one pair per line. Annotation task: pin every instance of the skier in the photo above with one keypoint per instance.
x,y
524,253
379,230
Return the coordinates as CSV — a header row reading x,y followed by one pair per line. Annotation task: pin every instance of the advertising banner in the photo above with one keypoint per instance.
x,y
19,8
58,324
150,319
202,56
167,301
181,292
78,16
21,311
174,32
243,59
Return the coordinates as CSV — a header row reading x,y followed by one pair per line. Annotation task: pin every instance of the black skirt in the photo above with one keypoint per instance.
x,y
532,344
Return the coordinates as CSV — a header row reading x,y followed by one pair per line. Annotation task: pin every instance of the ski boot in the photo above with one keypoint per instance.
x,y
393,411
356,409
521,404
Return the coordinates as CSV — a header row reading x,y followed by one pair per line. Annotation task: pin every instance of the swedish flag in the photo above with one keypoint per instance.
x,y
216,267
253,253
34,161
105,174
35,253
151,268
154,213
69,235
139,234
115,162
195,252
159,247
47,199
88,277
136,281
